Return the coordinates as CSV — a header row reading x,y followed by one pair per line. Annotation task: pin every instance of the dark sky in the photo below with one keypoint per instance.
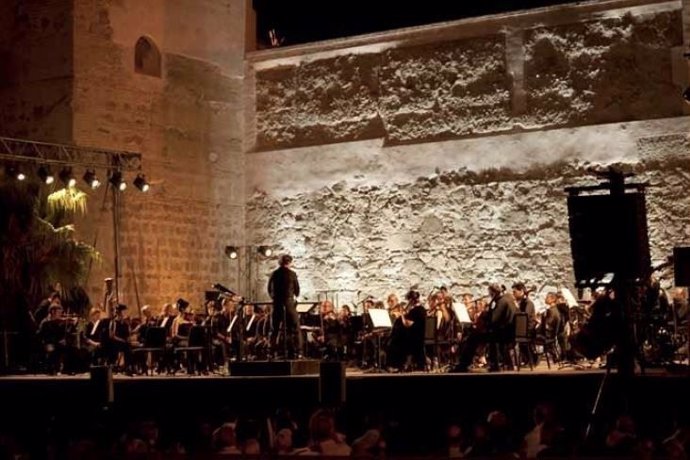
x,y
303,21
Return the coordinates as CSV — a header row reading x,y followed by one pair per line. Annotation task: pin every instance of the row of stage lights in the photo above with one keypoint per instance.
x,y
66,176
232,252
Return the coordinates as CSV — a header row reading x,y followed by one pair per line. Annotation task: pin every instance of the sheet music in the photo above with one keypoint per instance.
x,y
461,313
380,318
569,297
304,308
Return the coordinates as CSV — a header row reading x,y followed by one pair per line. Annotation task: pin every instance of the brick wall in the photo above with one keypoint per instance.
x,y
188,127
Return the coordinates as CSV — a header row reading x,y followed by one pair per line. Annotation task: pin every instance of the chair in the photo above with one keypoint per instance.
x,y
550,346
154,344
522,337
194,348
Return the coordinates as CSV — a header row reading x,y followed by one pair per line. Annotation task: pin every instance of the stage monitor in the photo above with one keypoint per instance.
x,y
608,234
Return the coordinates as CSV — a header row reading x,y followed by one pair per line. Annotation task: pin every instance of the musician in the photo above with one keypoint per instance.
x,y
249,328
496,329
551,321
167,317
182,323
119,338
96,334
43,308
329,334
414,320
563,326
283,287
407,336
263,332
52,333
347,337
148,320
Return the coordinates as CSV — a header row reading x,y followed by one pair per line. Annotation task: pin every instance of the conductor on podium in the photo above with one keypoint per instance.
x,y
283,287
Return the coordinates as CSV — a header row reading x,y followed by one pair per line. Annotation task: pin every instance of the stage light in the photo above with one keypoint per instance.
x,y
46,175
14,171
67,178
265,251
117,181
91,179
231,252
141,183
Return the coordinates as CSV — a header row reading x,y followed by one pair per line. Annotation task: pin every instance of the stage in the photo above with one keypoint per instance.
x,y
380,390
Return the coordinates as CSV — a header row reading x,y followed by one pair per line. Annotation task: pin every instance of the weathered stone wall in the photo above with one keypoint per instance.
x,y
36,69
392,222
440,156
553,71
188,127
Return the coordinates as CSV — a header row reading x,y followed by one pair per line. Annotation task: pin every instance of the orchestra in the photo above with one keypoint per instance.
x,y
425,333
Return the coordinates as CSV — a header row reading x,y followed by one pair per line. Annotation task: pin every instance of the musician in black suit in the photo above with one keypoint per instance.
x,y
96,335
415,321
283,287
499,332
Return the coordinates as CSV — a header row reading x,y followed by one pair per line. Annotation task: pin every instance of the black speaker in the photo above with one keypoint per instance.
x,y
608,234
332,383
681,266
102,387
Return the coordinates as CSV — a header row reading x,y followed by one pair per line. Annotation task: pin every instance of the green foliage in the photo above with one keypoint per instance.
x,y
37,240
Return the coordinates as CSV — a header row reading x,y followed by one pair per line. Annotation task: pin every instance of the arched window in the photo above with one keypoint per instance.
x,y
147,58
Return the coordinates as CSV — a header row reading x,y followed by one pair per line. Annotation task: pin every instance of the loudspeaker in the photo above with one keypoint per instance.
x,y
608,234
102,386
332,383
681,266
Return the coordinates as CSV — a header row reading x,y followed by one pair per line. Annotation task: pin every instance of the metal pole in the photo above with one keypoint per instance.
x,y
116,240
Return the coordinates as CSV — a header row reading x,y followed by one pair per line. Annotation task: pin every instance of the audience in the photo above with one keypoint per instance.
x,y
494,436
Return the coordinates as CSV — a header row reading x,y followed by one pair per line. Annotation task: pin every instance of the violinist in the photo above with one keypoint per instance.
x,y
52,332
42,311
414,320
329,334
147,321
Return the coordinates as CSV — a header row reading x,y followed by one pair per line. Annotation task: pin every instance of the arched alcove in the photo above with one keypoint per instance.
x,y
147,57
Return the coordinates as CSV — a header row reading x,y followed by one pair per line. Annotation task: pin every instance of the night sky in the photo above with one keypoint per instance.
x,y
304,21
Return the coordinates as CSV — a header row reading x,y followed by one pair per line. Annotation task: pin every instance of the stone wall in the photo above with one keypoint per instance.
x,y
545,69
36,69
440,155
188,127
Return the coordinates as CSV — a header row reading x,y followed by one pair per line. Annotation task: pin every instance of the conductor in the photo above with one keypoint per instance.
x,y
283,288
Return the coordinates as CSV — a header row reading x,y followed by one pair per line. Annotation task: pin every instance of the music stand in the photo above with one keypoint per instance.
x,y
461,313
380,321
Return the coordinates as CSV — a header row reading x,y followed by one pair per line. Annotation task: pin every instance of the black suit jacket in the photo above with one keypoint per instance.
x,y
503,316
283,286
